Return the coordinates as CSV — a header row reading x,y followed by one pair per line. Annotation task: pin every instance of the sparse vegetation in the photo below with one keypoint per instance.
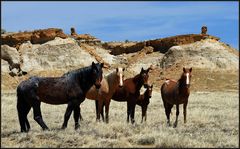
x,y
212,121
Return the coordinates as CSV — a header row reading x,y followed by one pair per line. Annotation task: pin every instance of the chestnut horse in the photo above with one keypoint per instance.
x,y
69,89
104,94
131,91
176,93
143,101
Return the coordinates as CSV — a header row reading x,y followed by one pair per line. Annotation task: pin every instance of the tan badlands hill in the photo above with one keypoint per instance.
x,y
215,64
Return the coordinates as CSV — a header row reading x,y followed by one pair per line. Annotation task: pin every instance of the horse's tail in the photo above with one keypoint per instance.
x,y
23,108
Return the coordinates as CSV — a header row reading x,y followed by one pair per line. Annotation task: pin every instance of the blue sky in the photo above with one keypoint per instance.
x,y
118,21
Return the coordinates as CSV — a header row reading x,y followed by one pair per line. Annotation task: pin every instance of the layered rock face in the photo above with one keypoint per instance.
x,y
206,54
35,37
162,45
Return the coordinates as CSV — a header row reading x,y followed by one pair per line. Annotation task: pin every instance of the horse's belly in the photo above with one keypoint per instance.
x,y
53,100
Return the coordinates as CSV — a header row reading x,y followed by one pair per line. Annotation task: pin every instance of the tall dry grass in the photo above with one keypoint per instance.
x,y
212,121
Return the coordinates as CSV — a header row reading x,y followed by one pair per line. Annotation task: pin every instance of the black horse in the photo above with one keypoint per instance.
x,y
70,89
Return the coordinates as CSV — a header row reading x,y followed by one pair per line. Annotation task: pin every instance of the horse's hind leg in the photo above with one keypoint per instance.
x,y
38,115
21,113
28,107
168,108
177,113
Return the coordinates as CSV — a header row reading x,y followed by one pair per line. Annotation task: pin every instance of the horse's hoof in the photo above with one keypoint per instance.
x,y
46,129
77,127
175,125
133,121
64,127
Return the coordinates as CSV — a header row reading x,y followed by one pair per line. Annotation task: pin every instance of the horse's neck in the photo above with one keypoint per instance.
x,y
181,84
112,81
82,77
138,82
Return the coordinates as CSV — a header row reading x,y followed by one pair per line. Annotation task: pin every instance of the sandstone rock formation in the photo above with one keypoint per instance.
x,y
204,30
73,32
119,48
162,45
206,54
35,37
11,59
52,56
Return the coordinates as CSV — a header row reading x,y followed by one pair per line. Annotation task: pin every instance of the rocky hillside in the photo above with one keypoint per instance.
x,y
212,60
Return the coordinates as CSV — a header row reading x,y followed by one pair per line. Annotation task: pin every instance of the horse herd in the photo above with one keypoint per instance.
x,y
88,82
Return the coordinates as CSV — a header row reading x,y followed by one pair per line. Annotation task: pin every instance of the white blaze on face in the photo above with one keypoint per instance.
x,y
167,81
121,79
187,80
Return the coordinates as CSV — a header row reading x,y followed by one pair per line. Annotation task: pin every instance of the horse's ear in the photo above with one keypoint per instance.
x,y
190,69
184,70
142,70
93,64
102,64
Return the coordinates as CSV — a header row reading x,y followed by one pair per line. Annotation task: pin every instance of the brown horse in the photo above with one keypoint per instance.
x,y
131,91
143,101
176,92
69,89
104,94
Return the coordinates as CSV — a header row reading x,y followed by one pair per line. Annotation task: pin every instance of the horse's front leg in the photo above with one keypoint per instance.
x,y
38,115
107,104
128,110
100,106
67,114
76,116
177,113
133,105
185,111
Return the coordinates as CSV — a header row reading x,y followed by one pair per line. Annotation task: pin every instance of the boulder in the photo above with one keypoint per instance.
x,y
10,55
53,56
206,54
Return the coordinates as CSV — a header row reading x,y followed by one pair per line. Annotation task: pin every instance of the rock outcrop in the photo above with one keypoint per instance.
x,y
162,45
119,48
11,61
35,37
206,54
54,56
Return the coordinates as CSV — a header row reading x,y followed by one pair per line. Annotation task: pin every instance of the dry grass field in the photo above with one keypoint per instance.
x,y
212,121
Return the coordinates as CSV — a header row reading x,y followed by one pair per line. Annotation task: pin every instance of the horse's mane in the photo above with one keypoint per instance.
x,y
81,76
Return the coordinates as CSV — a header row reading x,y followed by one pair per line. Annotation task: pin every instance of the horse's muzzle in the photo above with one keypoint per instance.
x,y
97,86
145,85
120,86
